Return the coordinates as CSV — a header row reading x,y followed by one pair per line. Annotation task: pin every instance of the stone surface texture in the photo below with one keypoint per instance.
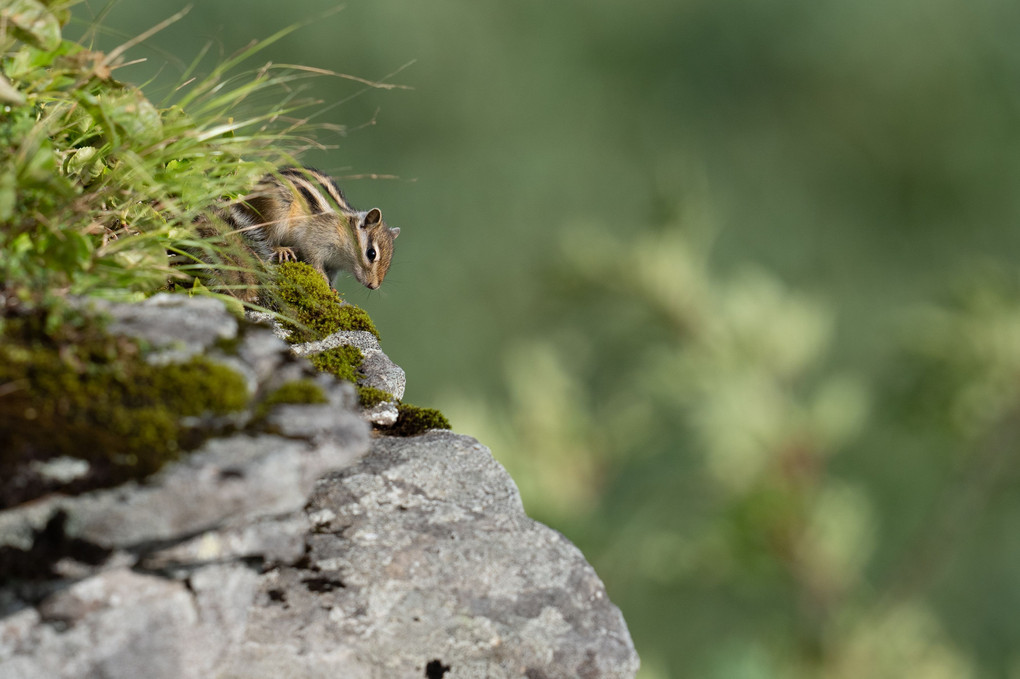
x,y
377,370
309,547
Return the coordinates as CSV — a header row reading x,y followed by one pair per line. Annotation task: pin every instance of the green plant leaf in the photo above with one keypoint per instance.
x,y
9,94
133,113
33,23
83,164
8,195
21,244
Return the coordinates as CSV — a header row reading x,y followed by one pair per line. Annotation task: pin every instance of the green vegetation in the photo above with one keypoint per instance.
x,y
98,183
311,309
298,391
413,420
342,361
97,186
371,396
105,193
810,514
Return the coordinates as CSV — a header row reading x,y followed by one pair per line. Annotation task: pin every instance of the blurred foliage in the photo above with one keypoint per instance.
x,y
800,467
687,429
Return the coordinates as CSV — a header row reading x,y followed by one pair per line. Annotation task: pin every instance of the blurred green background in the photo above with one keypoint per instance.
x,y
728,286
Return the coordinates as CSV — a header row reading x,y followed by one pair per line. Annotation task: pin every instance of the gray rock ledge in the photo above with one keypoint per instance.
x,y
421,553
416,561
377,370
307,549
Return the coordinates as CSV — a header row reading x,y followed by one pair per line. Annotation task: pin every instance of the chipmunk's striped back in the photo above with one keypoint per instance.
x,y
319,190
299,213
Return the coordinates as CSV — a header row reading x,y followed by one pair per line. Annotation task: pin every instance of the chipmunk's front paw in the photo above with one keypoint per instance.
x,y
284,255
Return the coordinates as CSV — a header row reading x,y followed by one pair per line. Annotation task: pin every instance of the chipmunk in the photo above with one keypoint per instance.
x,y
300,214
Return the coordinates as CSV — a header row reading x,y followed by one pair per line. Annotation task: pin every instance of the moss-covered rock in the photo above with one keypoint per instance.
x,y
371,396
310,309
413,420
298,391
342,362
78,392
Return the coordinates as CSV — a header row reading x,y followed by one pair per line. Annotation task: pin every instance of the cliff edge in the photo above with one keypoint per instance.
x,y
291,540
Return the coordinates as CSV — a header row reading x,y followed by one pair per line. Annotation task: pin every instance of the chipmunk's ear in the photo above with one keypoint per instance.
x,y
373,217
395,231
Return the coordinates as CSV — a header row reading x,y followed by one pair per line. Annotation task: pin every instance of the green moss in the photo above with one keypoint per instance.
x,y
192,388
311,310
342,362
316,309
370,396
412,420
298,391
81,393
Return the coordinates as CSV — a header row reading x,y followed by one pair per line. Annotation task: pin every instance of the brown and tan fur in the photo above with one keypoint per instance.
x,y
300,214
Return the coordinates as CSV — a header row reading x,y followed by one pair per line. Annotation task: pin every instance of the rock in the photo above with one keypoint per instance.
x,y
120,624
379,371
173,329
421,555
376,370
294,544
177,325
384,414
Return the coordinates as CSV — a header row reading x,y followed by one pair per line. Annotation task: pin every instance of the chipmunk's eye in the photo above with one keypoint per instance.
x,y
371,254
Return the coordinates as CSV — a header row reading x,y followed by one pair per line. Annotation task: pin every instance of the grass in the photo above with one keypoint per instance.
x,y
98,183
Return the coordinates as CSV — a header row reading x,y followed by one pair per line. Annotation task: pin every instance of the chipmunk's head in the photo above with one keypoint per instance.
x,y
375,242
